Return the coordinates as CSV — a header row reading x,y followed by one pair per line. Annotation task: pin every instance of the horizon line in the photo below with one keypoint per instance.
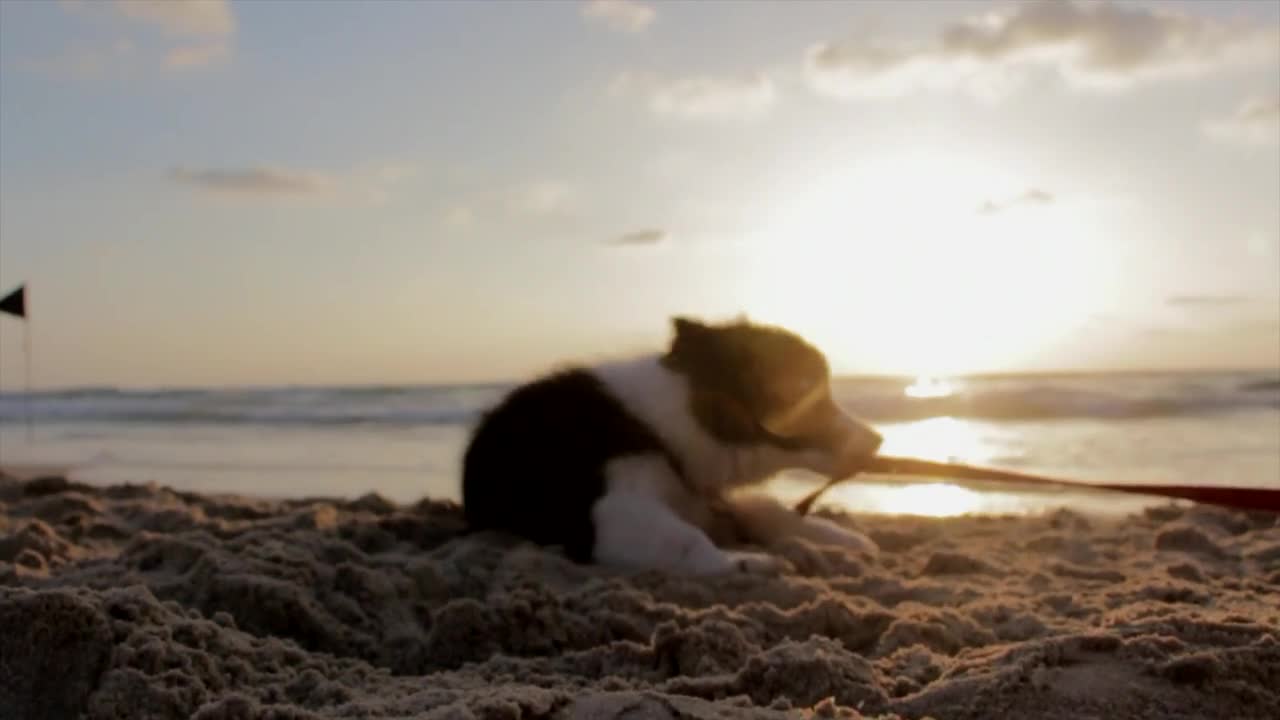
x,y
904,377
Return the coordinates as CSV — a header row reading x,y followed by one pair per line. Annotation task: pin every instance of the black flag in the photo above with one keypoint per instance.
x,y
15,303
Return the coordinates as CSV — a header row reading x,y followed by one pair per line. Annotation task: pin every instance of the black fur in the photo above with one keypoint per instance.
x,y
730,368
535,463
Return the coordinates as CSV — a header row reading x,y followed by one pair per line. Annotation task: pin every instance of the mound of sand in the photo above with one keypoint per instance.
x,y
138,601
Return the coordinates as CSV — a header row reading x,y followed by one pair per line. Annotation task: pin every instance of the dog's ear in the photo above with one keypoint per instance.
x,y
688,328
693,348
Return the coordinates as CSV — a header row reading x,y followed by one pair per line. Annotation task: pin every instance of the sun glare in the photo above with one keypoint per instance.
x,y
891,264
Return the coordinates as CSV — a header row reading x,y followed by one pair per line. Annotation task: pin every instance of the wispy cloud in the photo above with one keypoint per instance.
x,y
700,96
1256,121
195,33
1032,196
1207,301
627,16
181,17
371,184
1093,45
260,181
650,236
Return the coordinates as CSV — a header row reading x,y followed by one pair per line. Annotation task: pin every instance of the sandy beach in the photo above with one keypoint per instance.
x,y
138,601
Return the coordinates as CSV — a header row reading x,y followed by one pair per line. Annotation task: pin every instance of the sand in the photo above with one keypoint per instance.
x,y
137,601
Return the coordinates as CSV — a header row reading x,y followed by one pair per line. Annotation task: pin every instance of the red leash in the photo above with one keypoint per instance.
x,y
1232,497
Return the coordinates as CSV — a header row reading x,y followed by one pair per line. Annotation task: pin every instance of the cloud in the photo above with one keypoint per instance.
x,y
1255,122
626,16
1033,196
197,33
1206,301
371,184
262,181
864,69
700,96
651,236
188,17
1091,45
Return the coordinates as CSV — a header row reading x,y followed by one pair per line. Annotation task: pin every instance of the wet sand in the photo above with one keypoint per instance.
x,y
137,601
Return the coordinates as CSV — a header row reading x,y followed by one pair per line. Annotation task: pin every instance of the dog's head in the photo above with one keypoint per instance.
x,y
761,385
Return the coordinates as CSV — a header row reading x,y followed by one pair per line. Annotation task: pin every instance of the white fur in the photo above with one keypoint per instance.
x,y
637,529
659,397
648,474
763,516
639,523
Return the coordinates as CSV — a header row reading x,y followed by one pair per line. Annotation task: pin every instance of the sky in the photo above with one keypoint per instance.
x,y
261,193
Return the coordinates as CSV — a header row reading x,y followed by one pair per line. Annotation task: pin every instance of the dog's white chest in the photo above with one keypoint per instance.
x,y
659,398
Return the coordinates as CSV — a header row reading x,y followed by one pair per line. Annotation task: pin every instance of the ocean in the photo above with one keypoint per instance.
x,y
406,442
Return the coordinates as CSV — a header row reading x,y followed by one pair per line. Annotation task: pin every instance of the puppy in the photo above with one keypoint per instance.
x,y
641,463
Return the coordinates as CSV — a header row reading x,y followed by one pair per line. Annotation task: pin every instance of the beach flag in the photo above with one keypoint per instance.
x,y
15,304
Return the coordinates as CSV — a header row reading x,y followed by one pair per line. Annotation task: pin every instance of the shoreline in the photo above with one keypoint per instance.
x,y
869,494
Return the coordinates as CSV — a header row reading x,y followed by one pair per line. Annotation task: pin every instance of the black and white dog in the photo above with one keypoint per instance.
x,y
641,463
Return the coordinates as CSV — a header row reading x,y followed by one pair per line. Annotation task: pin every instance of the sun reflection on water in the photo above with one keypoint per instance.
x,y
941,438
926,386
931,499
945,439
924,497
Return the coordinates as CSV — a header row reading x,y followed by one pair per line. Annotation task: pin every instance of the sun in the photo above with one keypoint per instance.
x,y
888,263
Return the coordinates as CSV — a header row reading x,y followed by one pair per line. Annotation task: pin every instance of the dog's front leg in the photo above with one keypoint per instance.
x,y
764,520
636,528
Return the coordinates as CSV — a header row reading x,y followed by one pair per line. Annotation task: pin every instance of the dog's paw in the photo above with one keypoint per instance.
x,y
752,563
716,561
825,532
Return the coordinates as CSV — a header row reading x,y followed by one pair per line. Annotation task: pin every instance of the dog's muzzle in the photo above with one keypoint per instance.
x,y
854,443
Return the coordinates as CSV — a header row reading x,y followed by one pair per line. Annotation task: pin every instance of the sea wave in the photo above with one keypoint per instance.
x,y
1054,402
276,407
1109,398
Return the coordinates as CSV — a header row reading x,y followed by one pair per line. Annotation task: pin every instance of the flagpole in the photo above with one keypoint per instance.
x,y
26,367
